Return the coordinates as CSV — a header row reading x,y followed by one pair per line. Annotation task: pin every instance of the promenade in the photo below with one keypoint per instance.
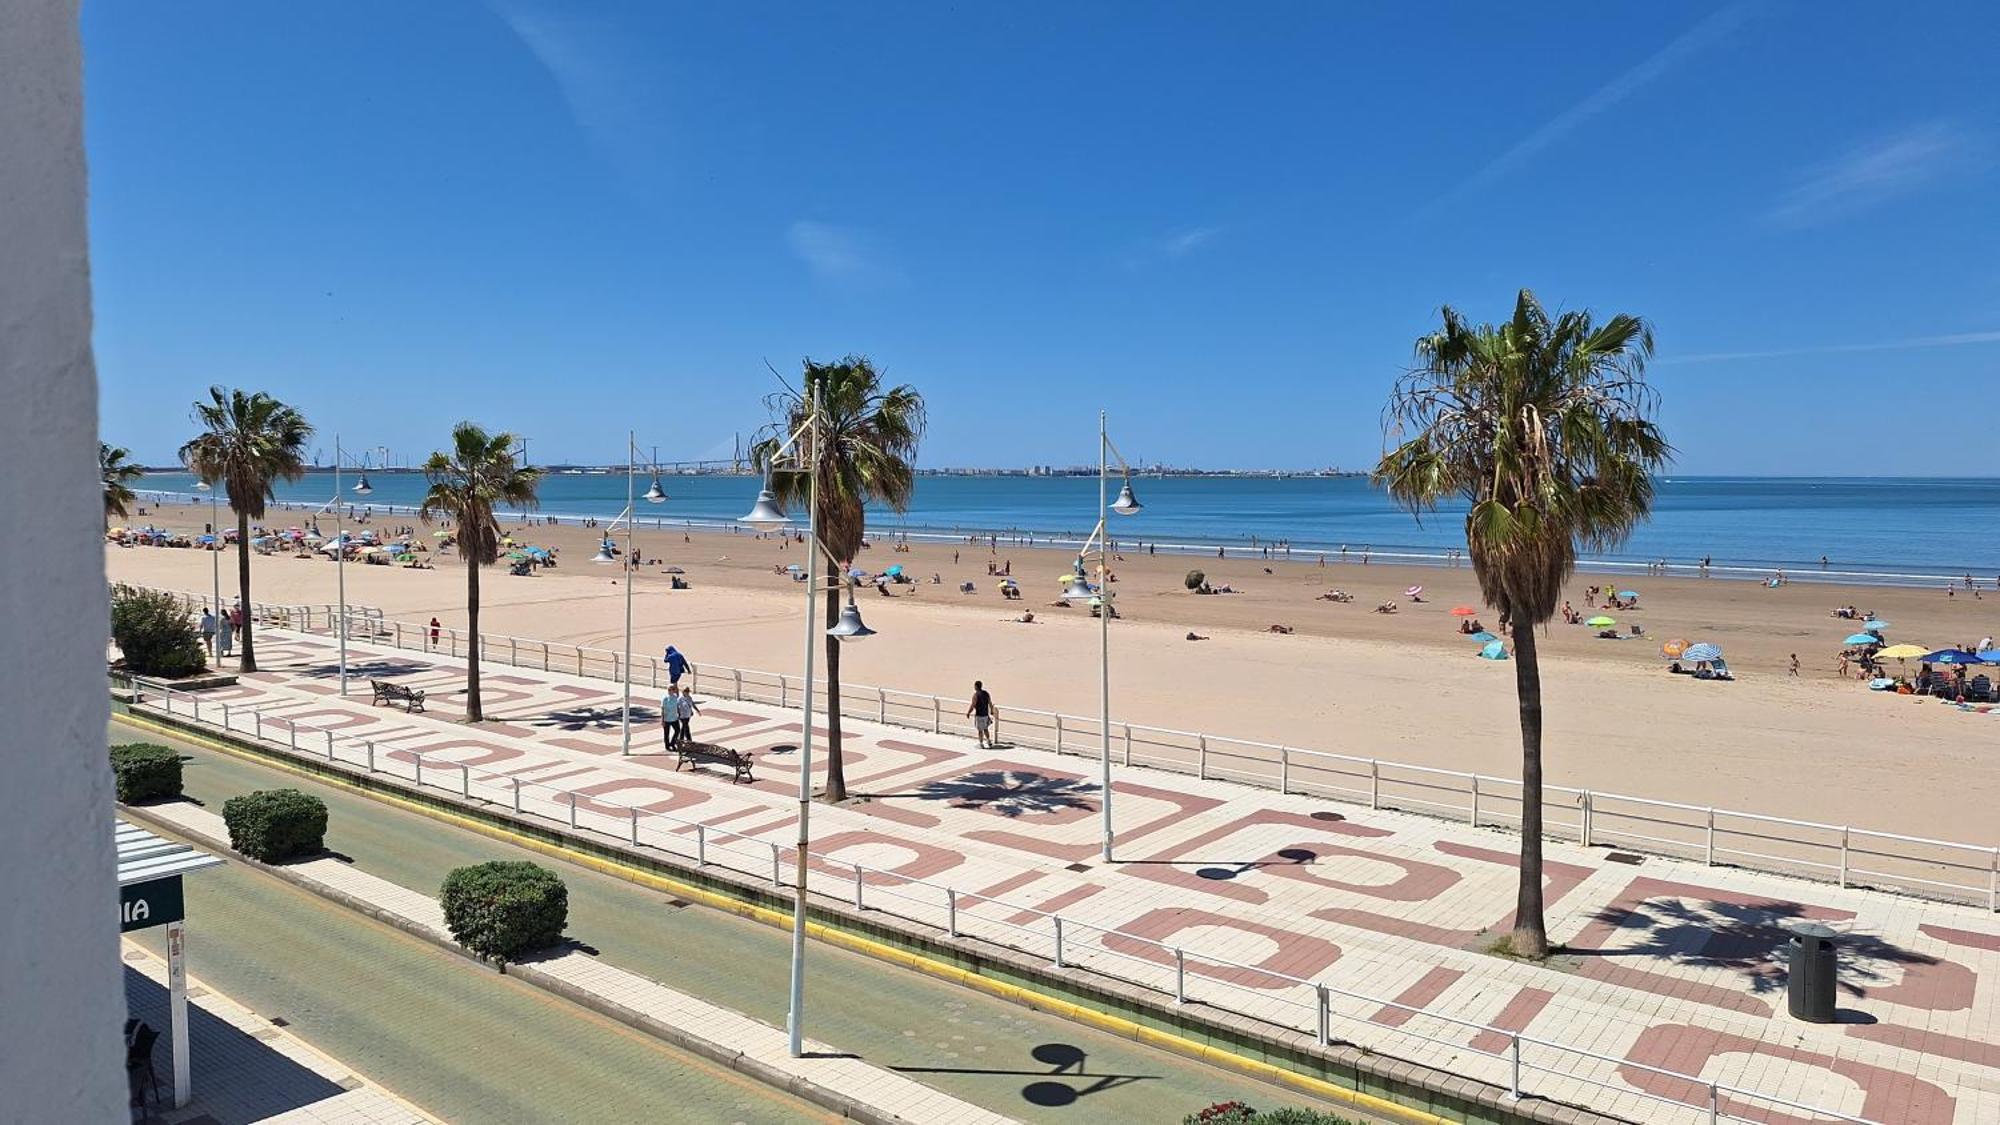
x,y
1240,898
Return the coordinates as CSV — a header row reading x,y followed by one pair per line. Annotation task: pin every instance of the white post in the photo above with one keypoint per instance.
x,y
329,746
1128,744
178,1010
1059,943
1710,849
635,826
1587,808
572,808
1374,783
517,794
1180,976
1993,883
857,888
881,705
513,650
1325,1015
1059,733
701,845
340,568
951,911
1473,820
420,769
777,880
1843,857
625,666
465,781
937,716
1514,1069
258,718
1201,763
1103,634
795,1013
1284,771
370,744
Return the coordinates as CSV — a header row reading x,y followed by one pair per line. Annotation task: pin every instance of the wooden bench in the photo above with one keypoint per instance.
x,y
412,699
694,753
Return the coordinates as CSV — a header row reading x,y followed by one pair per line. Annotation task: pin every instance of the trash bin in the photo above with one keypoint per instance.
x,y
1809,991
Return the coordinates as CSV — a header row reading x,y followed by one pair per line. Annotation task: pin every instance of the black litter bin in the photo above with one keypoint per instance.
x,y
1809,991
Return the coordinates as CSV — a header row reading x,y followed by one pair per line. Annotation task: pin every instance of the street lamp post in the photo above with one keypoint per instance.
x,y
766,515
361,488
215,549
1079,583
654,495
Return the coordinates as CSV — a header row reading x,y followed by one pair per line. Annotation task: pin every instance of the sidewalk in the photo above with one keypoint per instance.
x,y
1670,964
246,1068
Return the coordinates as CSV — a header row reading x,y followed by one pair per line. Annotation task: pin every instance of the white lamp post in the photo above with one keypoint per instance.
x,y
654,495
767,515
1126,505
215,562
361,488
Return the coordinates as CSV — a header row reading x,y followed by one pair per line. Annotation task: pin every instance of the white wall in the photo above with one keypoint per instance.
x,y
61,999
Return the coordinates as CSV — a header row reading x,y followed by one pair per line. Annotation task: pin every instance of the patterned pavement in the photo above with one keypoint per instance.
x,y
1669,964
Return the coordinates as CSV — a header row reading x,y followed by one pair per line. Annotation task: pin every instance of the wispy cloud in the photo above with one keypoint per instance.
x,y
1170,247
1690,43
1874,173
1950,340
611,92
841,255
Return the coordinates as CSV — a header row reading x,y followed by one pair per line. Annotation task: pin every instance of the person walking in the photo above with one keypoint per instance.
x,y
688,711
677,665
670,715
434,633
225,634
1795,666
982,712
208,631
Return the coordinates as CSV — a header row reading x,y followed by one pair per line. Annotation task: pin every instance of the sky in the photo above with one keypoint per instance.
x,y
1222,224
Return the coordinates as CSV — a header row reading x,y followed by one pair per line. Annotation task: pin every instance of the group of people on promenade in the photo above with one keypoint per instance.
x,y
218,633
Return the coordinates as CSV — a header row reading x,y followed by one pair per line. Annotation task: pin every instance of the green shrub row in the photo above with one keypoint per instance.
x,y
152,631
275,824
1237,1113
145,772
505,910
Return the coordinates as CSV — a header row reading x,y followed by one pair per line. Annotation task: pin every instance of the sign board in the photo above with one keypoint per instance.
x,y
152,903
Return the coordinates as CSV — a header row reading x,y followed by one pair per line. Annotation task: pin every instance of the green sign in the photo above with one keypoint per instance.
x,y
152,903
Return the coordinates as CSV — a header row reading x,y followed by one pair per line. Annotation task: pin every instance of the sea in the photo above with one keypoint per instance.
x,y
1887,530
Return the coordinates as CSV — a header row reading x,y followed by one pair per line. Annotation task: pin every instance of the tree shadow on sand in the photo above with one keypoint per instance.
x,y
1010,793
594,718
1748,939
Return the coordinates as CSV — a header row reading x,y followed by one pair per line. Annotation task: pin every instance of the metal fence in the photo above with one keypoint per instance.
x,y
1187,974
1946,870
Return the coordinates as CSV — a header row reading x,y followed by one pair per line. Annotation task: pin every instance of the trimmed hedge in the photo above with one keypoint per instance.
x,y
276,824
1237,1113
145,772
505,910
152,631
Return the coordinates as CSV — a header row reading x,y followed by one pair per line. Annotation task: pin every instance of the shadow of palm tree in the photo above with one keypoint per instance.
x,y
1010,793
360,669
593,718
1748,939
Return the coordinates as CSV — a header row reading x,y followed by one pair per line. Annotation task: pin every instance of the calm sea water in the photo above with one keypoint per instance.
x,y
1894,529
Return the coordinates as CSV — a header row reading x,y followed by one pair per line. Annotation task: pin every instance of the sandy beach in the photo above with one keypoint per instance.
x,y
1402,686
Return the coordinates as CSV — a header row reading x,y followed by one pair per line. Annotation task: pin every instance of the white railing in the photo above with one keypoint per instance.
x,y
1187,974
1947,870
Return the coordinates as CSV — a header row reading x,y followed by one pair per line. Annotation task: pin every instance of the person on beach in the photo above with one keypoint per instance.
x,y
677,665
208,631
688,711
981,712
434,632
1795,666
670,718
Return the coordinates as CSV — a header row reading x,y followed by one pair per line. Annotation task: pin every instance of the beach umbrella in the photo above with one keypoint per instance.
x,y
1902,652
1990,656
674,570
1463,611
1673,650
1628,593
204,539
1483,636
1862,639
1873,626
1600,622
1413,591
1951,656
894,570
440,533
1493,650
1702,652
856,572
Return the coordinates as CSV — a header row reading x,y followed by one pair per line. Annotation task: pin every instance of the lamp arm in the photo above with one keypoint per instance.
x,y
1113,446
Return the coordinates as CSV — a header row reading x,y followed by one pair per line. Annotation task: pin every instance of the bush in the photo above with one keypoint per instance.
x,y
152,629
1194,581
505,910
275,824
1221,1113
1236,1113
145,772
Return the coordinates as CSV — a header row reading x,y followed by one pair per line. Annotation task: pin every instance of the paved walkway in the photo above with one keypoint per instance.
x,y
1670,964
245,1068
891,1094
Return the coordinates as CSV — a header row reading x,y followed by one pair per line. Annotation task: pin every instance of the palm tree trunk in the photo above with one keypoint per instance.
x,y
248,661
473,712
1530,937
836,772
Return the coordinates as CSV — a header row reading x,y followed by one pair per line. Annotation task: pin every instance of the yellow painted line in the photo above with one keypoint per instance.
x,y
1014,993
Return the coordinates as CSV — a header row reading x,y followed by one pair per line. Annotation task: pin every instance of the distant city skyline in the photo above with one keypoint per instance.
x,y
1223,227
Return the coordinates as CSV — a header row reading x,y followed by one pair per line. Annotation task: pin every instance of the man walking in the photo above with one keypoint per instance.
x,y
208,630
982,713
434,634
670,714
676,666
687,713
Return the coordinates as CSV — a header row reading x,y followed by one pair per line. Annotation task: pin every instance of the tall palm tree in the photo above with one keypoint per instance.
x,y
1544,427
248,443
115,467
867,450
477,474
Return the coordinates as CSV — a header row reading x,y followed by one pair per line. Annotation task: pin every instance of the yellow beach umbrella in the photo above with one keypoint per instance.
x,y
1672,649
1902,652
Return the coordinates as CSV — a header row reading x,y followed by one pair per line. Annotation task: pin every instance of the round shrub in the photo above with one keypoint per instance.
x,y
145,772
276,824
1194,580
154,633
505,910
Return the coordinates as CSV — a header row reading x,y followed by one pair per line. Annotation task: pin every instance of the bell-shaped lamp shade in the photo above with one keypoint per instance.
x,y
850,626
1126,504
362,487
202,486
655,494
603,554
765,514
1076,585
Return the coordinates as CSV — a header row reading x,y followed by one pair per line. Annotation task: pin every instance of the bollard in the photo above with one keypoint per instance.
x,y
517,794
881,705
370,744
1374,783
1584,833
1993,883
857,888
951,912
572,808
225,716
1714,1104
545,656
465,781
579,660
513,652
1180,976
329,746
1514,1068
775,880
635,826
258,716
1201,767
1843,857
1059,943
738,678
653,671
420,770
701,845
1284,772
197,708
1325,1016
1473,820
782,701
1059,733
1710,849
937,716
292,733
1128,744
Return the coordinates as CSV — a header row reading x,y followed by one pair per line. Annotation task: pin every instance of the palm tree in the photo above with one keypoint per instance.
x,y
117,471
867,448
249,442
476,475
1545,428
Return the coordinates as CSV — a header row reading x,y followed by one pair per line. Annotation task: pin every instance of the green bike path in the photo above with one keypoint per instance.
x,y
1028,1065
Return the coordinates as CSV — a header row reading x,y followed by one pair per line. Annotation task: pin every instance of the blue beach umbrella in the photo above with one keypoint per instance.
x,y
1874,625
1628,593
1493,650
1990,656
1483,636
1702,652
1951,656
205,539
1862,639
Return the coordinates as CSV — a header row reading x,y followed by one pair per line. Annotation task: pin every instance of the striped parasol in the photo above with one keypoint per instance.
x,y
1702,652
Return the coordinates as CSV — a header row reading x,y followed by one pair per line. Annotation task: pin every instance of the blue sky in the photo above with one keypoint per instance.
x,y
1223,223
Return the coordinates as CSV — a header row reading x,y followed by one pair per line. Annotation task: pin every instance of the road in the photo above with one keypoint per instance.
x,y
1022,1063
